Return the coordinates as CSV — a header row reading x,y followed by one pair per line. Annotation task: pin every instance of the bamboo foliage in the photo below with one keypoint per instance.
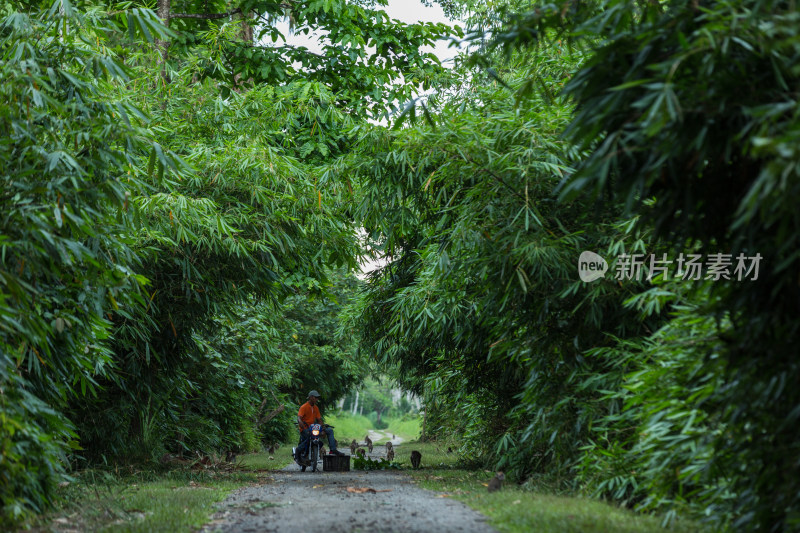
x,y
154,207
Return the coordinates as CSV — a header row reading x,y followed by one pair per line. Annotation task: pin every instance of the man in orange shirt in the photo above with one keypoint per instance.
x,y
309,414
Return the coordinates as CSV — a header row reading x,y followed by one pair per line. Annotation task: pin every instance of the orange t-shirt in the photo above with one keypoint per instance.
x,y
309,413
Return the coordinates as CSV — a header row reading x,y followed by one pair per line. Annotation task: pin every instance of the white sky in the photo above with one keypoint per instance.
x,y
411,11
408,11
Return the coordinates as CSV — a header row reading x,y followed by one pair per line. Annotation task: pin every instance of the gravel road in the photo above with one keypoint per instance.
x,y
390,502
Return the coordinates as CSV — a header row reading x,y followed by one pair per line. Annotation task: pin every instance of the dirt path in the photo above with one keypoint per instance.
x,y
376,435
337,503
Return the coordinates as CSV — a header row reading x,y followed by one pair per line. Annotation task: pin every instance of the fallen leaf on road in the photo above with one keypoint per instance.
x,y
362,490
359,490
317,486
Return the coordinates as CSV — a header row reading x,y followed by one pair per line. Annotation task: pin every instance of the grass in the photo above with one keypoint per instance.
x,y
154,499
409,428
349,427
264,461
514,509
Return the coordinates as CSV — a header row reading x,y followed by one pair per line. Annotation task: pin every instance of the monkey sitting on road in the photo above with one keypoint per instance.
x,y
369,446
496,482
389,446
390,455
353,446
416,457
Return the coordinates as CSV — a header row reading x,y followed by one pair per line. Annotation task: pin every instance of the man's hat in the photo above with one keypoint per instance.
x,y
314,393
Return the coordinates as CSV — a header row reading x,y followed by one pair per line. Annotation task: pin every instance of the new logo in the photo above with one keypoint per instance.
x,y
591,267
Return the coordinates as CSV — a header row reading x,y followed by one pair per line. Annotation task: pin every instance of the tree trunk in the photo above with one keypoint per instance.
x,y
272,414
163,9
246,31
246,36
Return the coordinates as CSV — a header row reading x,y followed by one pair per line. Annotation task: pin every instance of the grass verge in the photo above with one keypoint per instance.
x,y
514,509
152,498
409,428
348,427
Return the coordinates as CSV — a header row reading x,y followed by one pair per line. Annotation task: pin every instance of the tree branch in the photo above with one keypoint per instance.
x,y
205,16
272,414
211,16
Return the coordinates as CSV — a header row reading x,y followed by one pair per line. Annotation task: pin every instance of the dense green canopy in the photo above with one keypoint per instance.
x,y
186,197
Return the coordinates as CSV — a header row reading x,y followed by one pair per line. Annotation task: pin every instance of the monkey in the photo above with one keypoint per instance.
x,y
353,446
416,457
390,455
271,449
367,441
392,436
389,445
360,452
369,445
366,438
230,456
496,483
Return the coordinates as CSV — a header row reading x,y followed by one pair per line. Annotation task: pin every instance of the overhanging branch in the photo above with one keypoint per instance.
x,y
204,16
212,16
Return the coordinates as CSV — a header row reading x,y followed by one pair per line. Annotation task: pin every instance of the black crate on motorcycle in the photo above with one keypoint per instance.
x,y
335,463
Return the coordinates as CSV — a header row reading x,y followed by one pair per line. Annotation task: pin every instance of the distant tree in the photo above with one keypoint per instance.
x,y
376,398
369,61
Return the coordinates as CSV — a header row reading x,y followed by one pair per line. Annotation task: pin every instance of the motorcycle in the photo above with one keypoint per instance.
x,y
311,454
